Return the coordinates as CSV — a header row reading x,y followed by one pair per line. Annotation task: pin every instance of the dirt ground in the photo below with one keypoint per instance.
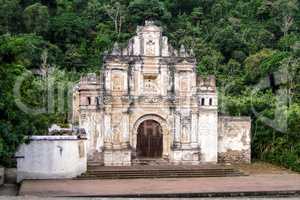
x,y
259,167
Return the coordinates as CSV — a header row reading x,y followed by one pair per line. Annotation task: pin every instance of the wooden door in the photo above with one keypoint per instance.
x,y
149,140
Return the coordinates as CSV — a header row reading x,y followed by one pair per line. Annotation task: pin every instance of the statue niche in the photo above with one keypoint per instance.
x,y
185,130
150,84
116,130
150,48
117,81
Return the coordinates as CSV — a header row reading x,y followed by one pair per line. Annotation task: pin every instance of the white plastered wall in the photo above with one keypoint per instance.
x,y
51,157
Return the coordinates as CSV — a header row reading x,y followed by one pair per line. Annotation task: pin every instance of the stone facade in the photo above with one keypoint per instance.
x,y
150,80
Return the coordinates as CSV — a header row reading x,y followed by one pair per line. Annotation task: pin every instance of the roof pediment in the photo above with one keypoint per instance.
x,y
150,42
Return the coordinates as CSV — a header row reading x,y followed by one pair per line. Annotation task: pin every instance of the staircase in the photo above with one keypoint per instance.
x,y
149,161
159,171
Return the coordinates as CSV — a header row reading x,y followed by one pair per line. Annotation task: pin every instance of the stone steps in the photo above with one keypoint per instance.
x,y
149,162
157,172
94,163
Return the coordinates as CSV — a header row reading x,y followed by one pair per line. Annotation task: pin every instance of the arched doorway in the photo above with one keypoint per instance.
x,y
149,140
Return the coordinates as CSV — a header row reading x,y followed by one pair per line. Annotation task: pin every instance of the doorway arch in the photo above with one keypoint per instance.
x,y
149,139
166,141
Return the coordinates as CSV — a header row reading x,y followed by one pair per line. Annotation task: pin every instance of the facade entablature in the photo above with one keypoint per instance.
x,y
206,84
116,66
148,60
142,99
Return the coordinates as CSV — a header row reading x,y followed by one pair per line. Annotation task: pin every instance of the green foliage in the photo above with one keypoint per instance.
x,y
287,42
9,14
141,10
228,42
36,18
253,62
244,43
26,50
68,28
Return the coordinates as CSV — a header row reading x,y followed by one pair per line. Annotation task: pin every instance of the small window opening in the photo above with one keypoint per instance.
x,y
97,101
88,100
202,101
210,101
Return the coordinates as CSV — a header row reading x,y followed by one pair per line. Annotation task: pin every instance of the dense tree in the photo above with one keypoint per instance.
x,y
26,50
9,14
68,28
141,10
253,48
36,18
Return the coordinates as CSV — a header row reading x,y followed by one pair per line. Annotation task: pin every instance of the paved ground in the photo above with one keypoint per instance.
x,y
263,177
91,198
249,185
8,190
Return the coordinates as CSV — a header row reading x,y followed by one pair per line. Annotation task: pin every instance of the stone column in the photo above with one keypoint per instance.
x,y
163,81
194,126
101,137
108,80
125,122
176,82
166,141
108,131
125,81
177,129
139,81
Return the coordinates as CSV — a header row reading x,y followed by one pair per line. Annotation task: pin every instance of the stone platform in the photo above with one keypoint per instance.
x,y
254,185
160,171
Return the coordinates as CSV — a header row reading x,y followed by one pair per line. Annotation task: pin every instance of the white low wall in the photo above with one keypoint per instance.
x,y
51,157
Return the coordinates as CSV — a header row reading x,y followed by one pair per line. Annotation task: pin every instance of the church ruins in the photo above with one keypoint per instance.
x,y
149,103
147,106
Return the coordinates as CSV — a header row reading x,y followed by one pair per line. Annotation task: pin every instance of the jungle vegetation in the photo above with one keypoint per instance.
x,y
251,46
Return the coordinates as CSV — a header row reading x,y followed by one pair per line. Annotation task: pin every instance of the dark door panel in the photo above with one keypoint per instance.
x,y
149,139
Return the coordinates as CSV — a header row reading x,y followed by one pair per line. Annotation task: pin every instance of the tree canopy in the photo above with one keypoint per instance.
x,y
251,46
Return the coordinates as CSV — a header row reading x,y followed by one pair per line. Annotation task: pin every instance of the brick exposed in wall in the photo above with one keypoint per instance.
x,y
235,156
234,145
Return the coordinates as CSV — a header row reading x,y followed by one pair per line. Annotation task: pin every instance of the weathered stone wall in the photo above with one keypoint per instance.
x,y
208,135
90,117
234,141
208,119
51,157
92,122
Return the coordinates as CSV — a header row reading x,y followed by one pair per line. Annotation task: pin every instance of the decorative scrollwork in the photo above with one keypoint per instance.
x,y
151,99
172,98
107,100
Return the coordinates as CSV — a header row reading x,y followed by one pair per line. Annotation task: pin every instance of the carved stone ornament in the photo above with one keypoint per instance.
x,y
177,113
186,121
150,50
151,99
107,100
185,130
172,99
83,116
125,98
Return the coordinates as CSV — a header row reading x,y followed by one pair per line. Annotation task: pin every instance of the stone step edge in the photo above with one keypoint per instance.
x,y
152,177
284,193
